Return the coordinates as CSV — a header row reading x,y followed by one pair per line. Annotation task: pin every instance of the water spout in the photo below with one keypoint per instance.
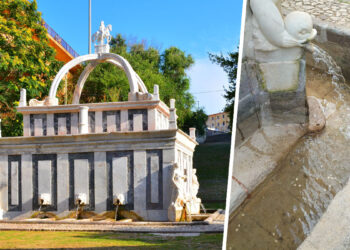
x,y
204,210
321,56
80,202
120,200
309,47
44,201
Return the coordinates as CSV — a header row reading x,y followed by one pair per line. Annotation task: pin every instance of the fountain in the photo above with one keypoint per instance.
x,y
81,155
120,200
272,106
80,202
299,173
44,201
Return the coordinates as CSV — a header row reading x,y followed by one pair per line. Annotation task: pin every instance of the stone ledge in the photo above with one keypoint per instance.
x,y
257,156
136,227
333,229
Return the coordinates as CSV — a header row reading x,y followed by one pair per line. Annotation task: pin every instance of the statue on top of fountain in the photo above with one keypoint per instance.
x,y
272,32
99,37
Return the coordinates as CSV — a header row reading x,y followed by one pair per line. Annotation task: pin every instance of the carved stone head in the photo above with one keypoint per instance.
x,y
300,26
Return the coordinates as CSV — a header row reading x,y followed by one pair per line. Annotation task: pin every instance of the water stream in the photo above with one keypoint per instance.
x,y
287,205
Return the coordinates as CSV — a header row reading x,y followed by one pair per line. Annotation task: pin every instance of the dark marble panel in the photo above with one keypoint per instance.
x,y
90,157
91,121
68,122
38,116
45,157
111,182
117,119
15,158
149,204
132,112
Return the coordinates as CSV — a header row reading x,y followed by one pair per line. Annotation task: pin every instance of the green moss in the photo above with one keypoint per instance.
x,y
43,215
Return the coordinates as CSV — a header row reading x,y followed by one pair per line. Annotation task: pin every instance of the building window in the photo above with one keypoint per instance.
x,y
218,124
223,123
223,116
218,117
212,118
212,124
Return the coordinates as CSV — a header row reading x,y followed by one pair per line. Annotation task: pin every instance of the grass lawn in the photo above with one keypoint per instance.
x,y
211,161
36,239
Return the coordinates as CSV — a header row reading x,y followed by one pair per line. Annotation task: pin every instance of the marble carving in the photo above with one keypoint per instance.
x,y
94,153
293,31
99,37
278,43
178,196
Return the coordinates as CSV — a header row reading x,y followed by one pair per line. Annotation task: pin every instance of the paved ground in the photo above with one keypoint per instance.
x,y
213,224
333,11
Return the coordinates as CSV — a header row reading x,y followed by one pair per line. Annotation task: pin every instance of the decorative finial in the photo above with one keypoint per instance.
x,y
99,37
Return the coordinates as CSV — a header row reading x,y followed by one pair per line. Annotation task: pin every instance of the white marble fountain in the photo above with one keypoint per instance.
x,y
99,151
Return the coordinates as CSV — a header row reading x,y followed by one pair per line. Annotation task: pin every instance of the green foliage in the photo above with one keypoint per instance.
x,y
229,64
212,163
26,59
168,69
196,119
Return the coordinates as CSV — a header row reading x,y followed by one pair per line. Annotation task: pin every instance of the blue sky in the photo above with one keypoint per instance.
x,y
195,26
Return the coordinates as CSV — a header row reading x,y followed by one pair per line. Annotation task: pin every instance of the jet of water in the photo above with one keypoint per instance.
x,y
321,56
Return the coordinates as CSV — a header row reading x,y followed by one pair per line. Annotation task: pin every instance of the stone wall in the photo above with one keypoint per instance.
x,y
136,164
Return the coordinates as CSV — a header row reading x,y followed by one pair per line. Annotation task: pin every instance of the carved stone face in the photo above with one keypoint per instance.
x,y
299,25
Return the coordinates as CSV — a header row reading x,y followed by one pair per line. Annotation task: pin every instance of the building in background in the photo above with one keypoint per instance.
x,y
218,122
64,52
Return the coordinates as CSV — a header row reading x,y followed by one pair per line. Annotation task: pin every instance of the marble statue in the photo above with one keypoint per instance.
x,y
100,36
45,199
277,44
35,102
293,31
195,201
178,196
121,199
181,198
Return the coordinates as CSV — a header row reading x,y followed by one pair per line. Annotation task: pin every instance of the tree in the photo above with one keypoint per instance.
x,y
196,119
229,64
167,69
26,59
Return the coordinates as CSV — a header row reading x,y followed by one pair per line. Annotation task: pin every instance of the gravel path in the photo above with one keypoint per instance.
x,y
332,11
40,225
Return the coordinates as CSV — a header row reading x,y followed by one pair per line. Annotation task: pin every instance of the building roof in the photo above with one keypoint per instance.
x,y
218,113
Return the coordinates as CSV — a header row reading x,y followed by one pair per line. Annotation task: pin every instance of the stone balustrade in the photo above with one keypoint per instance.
x,y
95,118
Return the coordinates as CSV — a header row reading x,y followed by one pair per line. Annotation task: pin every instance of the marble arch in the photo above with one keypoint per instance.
x,y
135,82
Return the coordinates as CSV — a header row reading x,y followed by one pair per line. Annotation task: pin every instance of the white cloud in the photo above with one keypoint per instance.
x,y
208,77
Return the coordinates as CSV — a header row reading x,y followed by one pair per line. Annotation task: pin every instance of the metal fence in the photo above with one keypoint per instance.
x,y
60,40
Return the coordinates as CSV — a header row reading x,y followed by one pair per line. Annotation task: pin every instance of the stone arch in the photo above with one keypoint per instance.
x,y
135,82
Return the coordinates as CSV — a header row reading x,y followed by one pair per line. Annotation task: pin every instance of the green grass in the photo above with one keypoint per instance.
x,y
45,240
211,161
